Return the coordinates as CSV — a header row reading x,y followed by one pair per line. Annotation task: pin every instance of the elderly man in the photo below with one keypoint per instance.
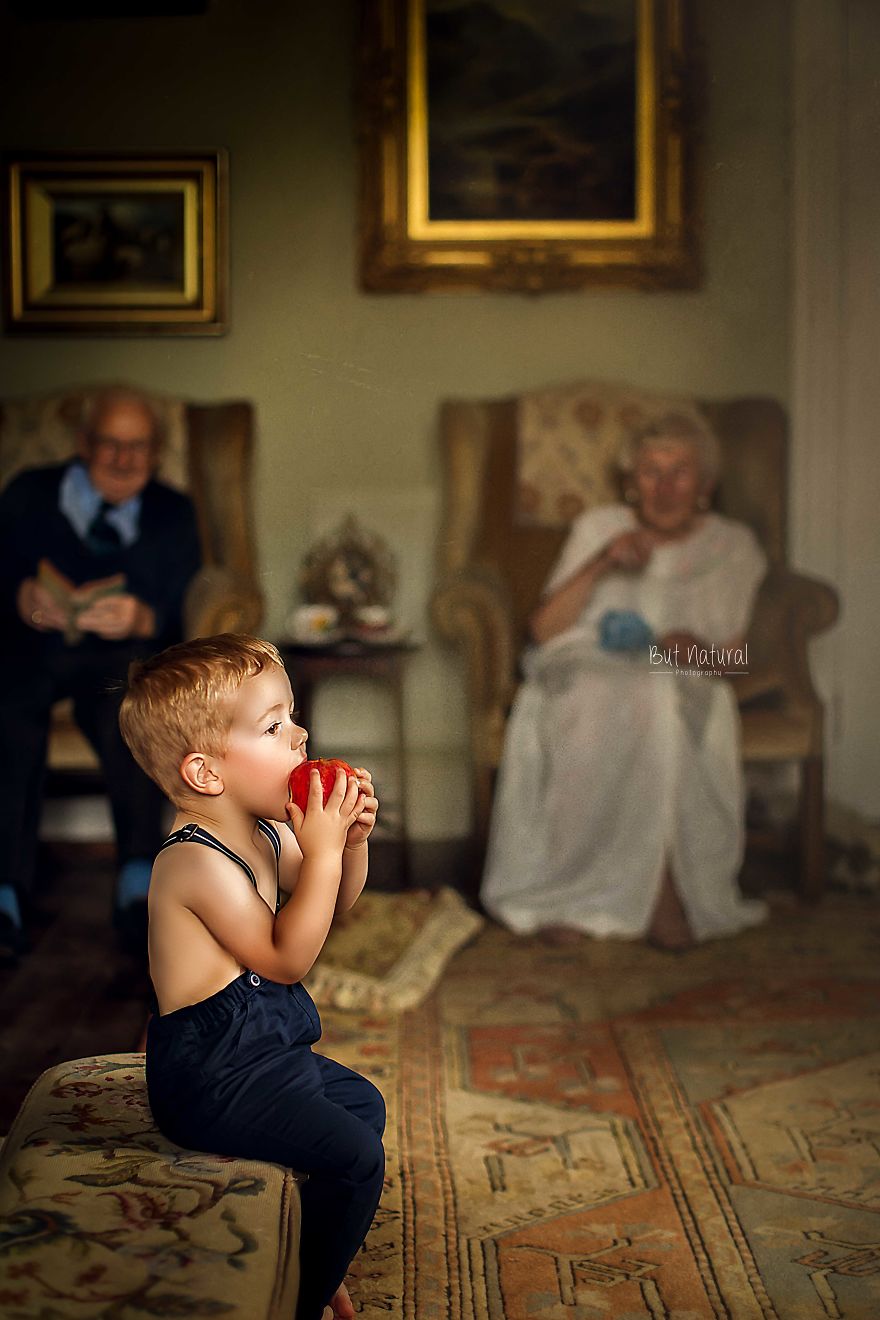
x,y
102,516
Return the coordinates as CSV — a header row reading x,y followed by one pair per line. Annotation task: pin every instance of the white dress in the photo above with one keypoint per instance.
x,y
613,765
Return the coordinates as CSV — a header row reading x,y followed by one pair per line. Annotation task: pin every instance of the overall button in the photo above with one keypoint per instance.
x,y
254,979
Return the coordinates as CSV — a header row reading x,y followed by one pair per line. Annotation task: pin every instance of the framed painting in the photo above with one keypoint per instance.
x,y
512,144
109,244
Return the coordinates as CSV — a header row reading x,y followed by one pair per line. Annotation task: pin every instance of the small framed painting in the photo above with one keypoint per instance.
x,y
111,244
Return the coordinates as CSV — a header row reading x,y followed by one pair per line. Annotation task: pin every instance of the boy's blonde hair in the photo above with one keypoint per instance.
x,y
180,701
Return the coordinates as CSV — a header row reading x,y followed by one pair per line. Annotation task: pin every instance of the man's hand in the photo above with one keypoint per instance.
x,y
38,608
116,618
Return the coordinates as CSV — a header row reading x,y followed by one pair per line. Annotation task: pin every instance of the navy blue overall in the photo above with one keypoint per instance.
x,y
236,1075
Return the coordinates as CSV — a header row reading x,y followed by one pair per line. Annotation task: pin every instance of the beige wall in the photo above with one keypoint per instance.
x,y
346,385
835,394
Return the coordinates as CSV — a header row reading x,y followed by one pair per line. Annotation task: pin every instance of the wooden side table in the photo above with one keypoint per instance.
x,y
308,665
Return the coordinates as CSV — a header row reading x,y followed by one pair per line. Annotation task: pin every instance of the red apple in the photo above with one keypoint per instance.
x,y
300,778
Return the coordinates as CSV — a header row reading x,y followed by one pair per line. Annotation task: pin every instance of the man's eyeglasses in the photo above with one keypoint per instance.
x,y
108,444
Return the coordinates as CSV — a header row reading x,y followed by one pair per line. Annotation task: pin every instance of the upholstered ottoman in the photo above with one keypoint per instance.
x,y
101,1215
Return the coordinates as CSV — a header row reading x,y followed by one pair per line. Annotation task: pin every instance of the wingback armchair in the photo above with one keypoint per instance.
x,y
207,453
495,554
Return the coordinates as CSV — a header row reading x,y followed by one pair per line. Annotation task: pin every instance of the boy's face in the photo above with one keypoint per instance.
x,y
264,744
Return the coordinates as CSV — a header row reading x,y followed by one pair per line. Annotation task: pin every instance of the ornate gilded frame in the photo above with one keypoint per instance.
x,y
127,273
403,250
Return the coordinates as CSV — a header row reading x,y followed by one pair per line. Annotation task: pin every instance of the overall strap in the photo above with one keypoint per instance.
x,y
196,834
270,832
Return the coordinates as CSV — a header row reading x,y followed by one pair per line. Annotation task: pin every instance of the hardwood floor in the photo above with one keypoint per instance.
x,y
77,991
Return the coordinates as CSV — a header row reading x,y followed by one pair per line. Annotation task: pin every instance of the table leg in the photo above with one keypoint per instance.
x,y
303,691
404,778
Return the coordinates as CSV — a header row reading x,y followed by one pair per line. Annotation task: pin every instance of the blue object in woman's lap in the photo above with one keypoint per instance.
x,y
624,630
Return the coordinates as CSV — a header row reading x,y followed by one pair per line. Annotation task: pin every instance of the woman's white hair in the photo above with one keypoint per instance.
x,y
674,426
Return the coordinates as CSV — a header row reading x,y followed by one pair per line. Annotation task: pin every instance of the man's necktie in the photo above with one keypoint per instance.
x,y
102,537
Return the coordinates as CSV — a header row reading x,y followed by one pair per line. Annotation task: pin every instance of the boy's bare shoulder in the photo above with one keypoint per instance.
x,y
187,868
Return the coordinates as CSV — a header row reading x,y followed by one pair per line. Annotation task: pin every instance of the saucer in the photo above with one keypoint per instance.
x,y
317,639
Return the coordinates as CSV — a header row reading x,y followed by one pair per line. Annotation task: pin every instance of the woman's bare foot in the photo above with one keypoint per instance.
x,y
560,935
670,929
340,1304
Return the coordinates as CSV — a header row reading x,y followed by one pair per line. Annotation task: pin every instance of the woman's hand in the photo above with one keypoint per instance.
x,y
629,551
323,827
368,805
689,648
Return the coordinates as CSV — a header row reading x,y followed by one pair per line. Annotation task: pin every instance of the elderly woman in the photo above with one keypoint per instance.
x,y
619,807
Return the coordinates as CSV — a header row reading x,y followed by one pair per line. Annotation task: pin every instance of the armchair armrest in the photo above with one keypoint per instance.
x,y
790,609
471,609
219,600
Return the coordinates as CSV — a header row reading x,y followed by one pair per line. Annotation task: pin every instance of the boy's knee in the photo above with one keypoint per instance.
x,y
369,1165
376,1110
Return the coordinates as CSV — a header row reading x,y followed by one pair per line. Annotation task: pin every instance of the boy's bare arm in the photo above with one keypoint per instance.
x,y
355,861
215,891
280,948
355,855
321,834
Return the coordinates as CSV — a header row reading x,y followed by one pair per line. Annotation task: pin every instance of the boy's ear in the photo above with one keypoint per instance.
x,y
198,773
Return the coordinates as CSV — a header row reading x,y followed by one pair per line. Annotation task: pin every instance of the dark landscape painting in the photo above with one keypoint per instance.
x,y
531,109
127,239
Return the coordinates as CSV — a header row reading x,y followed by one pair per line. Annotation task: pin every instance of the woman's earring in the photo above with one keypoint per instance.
x,y
703,502
631,495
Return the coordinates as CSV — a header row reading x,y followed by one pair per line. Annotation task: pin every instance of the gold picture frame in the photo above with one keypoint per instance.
x,y
116,244
457,176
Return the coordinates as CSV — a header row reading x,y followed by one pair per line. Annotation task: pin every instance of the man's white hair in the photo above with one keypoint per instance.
x,y
97,404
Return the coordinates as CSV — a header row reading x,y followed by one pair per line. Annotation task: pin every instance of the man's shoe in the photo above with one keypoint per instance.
x,y
131,924
130,903
14,943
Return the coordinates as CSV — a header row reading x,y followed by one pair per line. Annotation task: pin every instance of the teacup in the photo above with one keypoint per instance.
x,y
372,618
310,623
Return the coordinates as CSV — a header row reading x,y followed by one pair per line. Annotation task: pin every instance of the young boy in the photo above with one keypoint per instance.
x,y
239,910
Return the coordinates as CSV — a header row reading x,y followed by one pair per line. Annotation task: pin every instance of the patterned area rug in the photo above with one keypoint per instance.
x,y
608,1131
391,950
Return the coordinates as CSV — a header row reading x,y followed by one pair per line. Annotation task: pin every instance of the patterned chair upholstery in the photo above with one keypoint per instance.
x,y
207,453
101,1215
517,470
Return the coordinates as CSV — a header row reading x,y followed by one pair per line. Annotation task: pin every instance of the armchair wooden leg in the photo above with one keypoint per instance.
x,y
812,830
483,789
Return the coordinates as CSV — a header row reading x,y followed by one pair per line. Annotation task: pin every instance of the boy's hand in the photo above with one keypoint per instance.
x,y
324,827
368,804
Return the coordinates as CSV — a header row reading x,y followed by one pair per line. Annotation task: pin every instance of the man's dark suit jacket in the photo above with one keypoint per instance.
x,y
158,567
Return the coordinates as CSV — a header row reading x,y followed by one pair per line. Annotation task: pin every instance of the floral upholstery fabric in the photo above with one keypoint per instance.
x,y
101,1215
41,429
568,440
